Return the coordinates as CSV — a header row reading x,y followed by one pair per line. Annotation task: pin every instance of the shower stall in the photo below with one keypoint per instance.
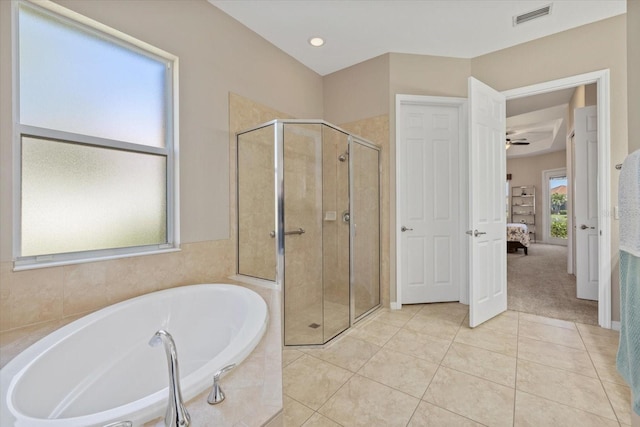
x,y
308,218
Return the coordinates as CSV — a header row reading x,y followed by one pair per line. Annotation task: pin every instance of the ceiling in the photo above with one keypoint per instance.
x,y
358,30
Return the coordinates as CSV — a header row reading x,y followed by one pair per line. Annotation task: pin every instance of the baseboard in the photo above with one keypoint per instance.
x,y
615,325
396,305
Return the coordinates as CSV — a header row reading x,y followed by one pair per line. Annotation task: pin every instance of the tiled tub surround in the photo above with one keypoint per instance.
x,y
422,366
253,390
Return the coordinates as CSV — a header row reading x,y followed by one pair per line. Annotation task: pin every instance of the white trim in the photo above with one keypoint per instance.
x,y
461,104
615,325
546,224
396,305
602,79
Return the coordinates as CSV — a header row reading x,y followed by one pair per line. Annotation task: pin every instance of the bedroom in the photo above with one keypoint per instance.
x,y
543,258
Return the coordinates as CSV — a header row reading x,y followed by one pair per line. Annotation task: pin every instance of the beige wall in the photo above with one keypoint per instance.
x,y
217,56
528,171
633,73
357,92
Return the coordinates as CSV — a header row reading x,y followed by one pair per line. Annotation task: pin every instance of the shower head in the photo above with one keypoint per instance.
x,y
343,157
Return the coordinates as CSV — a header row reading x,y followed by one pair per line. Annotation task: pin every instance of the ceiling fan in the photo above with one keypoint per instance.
x,y
515,141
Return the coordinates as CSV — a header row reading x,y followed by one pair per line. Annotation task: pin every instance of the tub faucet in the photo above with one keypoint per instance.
x,y
176,414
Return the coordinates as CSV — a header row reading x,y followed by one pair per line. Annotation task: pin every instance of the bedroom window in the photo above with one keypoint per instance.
x,y
94,133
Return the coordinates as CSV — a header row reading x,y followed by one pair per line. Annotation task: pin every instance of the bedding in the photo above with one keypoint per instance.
x,y
518,237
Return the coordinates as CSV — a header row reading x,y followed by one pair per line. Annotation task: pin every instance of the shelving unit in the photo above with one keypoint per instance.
x,y
523,207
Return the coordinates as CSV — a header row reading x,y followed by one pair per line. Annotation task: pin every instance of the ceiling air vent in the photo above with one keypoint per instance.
x,y
529,16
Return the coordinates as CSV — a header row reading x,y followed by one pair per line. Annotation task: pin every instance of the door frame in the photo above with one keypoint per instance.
x,y
546,207
461,105
602,80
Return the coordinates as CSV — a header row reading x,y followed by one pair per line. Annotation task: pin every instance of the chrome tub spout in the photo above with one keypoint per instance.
x,y
176,415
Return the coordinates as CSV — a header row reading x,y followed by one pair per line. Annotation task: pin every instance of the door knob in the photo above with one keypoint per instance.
x,y
403,229
476,233
584,227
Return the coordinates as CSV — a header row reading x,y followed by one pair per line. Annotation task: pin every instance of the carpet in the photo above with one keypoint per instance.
x,y
538,283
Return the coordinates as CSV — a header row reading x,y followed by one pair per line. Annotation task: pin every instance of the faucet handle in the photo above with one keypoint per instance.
x,y
217,395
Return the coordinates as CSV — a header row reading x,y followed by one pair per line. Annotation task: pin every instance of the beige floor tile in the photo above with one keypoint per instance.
x,y
411,308
295,413
419,345
480,400
596,330
400,371
608,372
347,352
289,355
363,402
557,356
603,354
552,334
434,326
482,363
620,398
534,411
393,317
377,333
565,387
506,323
318,420
597,341
488,339
445,308
428,415
547,321
312,381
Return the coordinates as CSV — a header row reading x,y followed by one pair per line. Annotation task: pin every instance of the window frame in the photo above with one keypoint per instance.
x,y
169,151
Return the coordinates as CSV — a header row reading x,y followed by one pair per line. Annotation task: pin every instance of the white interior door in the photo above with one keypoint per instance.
x,y
428,198
586,202
487,164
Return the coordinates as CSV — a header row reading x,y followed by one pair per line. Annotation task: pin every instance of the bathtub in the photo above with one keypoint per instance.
x,y
100,368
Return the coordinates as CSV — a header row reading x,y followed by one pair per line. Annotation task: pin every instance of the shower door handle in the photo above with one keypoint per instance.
x,y
300,230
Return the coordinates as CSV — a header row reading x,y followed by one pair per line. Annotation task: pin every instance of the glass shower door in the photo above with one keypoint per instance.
x,y
316,247
365,202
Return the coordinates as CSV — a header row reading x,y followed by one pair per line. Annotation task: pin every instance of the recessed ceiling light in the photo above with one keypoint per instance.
x,y
316,41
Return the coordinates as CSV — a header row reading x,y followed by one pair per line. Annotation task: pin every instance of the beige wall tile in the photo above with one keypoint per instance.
x,y
35,296
85,287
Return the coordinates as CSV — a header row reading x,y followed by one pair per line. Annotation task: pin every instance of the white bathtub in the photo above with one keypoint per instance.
x,y
100,368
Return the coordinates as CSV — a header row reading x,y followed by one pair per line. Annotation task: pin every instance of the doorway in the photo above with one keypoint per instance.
x,y
601,78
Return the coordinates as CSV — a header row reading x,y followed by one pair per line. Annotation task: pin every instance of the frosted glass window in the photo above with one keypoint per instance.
x,y
77,198
95,136
106,89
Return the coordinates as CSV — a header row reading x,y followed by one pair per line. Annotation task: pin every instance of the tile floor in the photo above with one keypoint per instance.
x,y
422,366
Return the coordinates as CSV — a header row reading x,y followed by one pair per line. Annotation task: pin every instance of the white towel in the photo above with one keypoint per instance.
x,y
629,204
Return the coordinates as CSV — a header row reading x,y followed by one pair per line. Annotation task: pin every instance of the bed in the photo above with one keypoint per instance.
x,y
517,237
